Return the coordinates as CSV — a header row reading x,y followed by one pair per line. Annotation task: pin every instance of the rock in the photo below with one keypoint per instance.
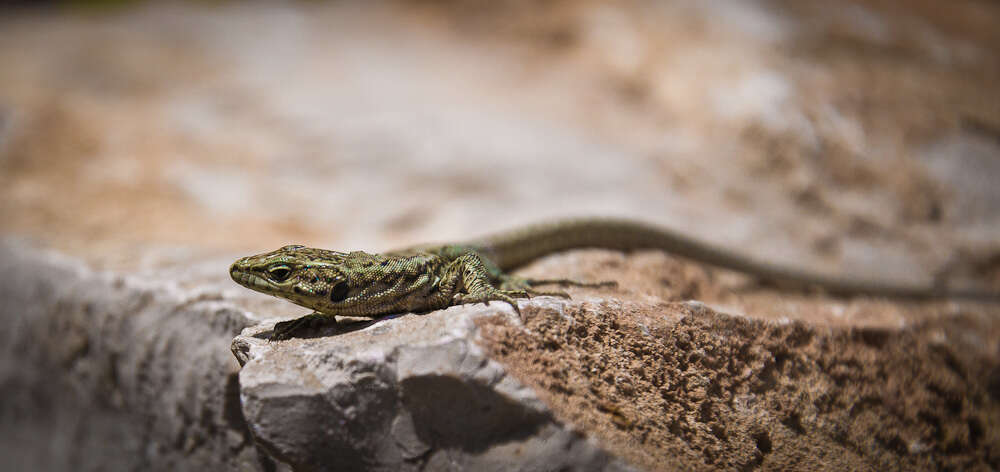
x,y
103,371
411,393
109,371
610,381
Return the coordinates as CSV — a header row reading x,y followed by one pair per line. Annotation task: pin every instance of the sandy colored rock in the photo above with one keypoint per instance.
x,y
682,387
661,383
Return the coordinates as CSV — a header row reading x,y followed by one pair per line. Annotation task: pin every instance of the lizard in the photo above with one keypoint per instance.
x,y
432,277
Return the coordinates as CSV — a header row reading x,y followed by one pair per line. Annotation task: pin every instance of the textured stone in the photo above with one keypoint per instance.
x,y
653,381
412,393
103,371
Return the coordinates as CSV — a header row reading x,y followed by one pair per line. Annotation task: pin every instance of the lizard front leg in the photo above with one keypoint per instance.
x,y
467,280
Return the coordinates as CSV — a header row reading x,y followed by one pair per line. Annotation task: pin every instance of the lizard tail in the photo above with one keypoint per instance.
x,y
516,248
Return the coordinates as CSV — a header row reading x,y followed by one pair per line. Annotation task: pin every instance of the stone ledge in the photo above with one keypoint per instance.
x,y
412,393
608,384
127,371
116,371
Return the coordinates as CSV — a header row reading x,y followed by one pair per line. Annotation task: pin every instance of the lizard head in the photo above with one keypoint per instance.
x,y
313,278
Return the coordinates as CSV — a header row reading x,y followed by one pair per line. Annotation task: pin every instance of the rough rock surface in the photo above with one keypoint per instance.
x,y
660,384
411,393
682,387
101,371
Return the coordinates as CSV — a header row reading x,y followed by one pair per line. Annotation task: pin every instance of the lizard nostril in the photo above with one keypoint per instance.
x,y
235,270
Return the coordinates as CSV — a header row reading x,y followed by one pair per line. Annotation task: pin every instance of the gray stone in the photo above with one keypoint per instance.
x,y
103,371
411,393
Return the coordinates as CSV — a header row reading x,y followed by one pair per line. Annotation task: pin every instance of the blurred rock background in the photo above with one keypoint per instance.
x,y
857,136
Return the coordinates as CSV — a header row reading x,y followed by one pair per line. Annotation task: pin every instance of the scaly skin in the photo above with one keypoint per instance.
x,y
434,277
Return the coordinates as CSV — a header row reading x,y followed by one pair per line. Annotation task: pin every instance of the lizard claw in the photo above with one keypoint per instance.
x,y
487,296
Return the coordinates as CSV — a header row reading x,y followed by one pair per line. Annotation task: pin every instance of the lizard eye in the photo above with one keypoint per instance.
x,y
279,273
339,292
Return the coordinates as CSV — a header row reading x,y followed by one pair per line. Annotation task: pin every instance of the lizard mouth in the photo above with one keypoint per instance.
x,y
250,280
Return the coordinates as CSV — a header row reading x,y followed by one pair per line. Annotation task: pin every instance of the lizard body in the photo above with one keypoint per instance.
x,y
433,277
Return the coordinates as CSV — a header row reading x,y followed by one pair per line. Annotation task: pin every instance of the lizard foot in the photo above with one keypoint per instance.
x,y
487,296
288,329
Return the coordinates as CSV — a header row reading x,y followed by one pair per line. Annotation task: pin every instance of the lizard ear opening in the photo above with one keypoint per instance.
x,y
339,292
